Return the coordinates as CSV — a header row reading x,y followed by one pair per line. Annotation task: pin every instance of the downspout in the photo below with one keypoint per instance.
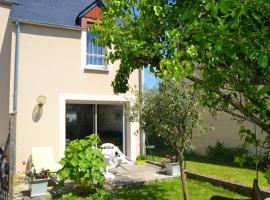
x,y
142,135
13,115
16,68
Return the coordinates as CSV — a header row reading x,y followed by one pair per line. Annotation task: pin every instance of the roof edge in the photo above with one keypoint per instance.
x,y
48,24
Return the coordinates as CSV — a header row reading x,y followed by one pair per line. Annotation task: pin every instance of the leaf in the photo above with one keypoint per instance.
x,y
256,16
267,176
265,89
224,6
208,6
263,61
236,17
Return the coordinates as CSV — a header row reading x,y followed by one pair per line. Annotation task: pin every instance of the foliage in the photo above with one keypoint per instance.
x,y
99,195
32,174
172,112
220,153
83,162
223,46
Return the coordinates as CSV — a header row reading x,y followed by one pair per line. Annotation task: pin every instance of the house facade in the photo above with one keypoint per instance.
x,y
55,79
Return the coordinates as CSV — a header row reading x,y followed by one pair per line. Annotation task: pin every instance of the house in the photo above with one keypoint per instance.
x,y
55,79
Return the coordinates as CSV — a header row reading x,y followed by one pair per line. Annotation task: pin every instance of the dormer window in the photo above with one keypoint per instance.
x,y
95,54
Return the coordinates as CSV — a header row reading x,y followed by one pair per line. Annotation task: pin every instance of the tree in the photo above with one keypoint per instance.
x,y
173,113
223,46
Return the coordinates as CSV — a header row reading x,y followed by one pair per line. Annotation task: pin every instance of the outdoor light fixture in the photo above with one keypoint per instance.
x,y
41,100
38,109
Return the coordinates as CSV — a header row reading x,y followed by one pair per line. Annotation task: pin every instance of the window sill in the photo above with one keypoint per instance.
x,y
96,68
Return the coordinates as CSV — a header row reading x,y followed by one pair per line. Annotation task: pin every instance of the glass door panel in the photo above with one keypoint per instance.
x,y
110,124
79,121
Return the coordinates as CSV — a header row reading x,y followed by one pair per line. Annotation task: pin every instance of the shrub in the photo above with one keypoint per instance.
x,y
220,153
83,163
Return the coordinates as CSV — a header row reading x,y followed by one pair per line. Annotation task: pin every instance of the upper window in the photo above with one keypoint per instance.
x,y
95,54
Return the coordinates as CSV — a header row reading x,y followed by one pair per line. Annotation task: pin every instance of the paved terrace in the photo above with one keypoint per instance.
x,y
129,175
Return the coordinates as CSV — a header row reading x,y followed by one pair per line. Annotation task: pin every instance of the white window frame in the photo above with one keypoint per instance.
x,y
84,65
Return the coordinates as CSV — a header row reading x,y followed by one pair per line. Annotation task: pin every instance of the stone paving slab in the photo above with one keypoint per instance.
x,y
137,174
126,175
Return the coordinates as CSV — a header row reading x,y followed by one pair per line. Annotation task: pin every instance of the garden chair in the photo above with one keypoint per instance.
x,y
42,158
113,151
113,157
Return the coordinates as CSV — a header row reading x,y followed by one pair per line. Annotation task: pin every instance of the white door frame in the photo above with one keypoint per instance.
x,y
95,99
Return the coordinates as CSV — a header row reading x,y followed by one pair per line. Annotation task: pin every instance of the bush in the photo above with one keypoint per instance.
x,y
83,163
220,153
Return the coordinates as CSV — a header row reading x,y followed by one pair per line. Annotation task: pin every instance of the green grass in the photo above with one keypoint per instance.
x,y
168,190
171,190
223,171
233,174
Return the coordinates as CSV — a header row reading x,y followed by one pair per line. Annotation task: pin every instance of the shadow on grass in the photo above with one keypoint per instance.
x,y
143,192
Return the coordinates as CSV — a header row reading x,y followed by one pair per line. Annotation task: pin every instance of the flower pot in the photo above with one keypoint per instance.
x,y
173,169
38,187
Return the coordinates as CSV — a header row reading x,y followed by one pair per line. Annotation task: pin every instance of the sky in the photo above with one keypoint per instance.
x,y
149,79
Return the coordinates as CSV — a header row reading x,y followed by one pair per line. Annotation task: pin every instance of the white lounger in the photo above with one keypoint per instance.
x,y
114,158
42,158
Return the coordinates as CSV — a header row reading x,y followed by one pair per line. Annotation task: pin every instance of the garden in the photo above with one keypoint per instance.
x,y
208,55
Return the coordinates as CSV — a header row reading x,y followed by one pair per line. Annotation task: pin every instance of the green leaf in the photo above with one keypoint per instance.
x,y
263,61
267,176
225,6
265,89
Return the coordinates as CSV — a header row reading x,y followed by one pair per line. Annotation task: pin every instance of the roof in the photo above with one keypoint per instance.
x,y
50,12
7,2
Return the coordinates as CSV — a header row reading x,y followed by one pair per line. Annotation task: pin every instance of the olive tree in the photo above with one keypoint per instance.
x,y
172,112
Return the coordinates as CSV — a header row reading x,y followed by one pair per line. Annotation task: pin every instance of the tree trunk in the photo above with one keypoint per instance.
x,y
183,174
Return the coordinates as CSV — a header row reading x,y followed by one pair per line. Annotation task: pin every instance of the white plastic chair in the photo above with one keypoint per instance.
x,y
114,158
42,158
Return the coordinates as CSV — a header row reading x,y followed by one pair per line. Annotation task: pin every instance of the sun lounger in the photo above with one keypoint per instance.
x,y
42,158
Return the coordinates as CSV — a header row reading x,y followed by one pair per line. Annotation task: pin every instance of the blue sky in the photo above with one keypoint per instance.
x,y
149,79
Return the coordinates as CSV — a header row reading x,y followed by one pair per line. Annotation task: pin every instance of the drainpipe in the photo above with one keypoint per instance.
x,y
17,51
12,122
142,135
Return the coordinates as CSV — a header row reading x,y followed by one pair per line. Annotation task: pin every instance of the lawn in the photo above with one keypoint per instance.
x,y
222,171
169,190
233,174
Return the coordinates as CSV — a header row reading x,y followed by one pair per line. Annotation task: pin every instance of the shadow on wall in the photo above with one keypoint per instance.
x,y
37,113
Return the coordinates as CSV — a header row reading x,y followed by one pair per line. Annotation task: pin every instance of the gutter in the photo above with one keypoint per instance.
x,y
48,24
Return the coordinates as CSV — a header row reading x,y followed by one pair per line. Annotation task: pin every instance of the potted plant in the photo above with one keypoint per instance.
x,y
171,165
38,181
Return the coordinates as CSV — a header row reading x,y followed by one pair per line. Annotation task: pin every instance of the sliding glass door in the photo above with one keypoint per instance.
x,y
110,124
85,119
80,121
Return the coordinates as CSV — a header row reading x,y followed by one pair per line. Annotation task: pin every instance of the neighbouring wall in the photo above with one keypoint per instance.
x,y
6,27
221,128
